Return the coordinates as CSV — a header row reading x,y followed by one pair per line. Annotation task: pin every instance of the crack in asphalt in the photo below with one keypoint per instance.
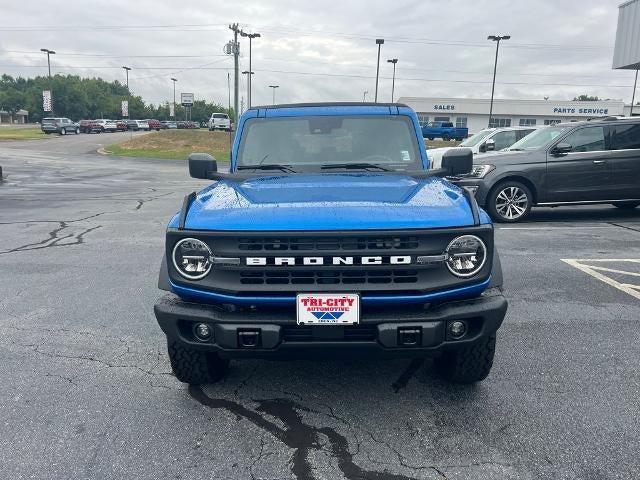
x,y
409,372
299,436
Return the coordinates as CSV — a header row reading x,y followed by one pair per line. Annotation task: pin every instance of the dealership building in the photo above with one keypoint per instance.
x,y
473,113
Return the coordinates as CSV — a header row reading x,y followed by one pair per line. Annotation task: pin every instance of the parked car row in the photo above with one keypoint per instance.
x,y
589,162
63,125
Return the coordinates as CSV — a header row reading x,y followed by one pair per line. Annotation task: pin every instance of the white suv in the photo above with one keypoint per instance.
x,y
219,121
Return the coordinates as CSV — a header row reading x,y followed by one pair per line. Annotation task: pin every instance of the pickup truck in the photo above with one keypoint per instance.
x,y
444,130
329,236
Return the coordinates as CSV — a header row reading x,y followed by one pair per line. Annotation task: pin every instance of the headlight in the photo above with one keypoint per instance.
x,y
192,258
479,171
466,255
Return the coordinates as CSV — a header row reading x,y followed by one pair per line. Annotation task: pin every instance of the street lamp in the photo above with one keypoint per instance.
x,y
248,73
495,38
273,101
633,96
379,42
174,80
126,69
49,52
251,37
393,82
364,96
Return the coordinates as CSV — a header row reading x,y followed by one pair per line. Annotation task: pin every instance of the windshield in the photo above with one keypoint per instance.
x,y
311,142
474,140
538,139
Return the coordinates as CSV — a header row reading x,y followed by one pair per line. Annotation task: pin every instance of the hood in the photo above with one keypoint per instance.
x,y
512,157
341,201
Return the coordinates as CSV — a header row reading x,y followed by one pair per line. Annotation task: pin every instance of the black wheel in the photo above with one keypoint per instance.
x,y
446,138
509,202
195,366
430,138
626,205
63,131
468,364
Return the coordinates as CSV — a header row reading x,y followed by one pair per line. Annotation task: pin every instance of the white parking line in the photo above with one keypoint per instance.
x,y
629,288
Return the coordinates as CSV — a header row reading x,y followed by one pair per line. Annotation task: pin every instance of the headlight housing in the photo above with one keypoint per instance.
x,y
192,258
480,171
466,255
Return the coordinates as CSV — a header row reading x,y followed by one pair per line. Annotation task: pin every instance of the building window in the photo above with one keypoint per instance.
x,y
461,122
527,122
551,121
423,119
441,119
499,122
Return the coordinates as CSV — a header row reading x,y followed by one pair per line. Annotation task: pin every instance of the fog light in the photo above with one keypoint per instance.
x,y
457,329
202,331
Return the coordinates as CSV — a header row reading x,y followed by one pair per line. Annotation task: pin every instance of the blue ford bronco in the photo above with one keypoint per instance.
x,y
330,236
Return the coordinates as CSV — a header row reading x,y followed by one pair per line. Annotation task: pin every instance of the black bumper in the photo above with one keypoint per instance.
x,y
275,334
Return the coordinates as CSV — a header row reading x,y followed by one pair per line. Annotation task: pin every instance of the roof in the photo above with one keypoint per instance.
x,y
591,121
329,104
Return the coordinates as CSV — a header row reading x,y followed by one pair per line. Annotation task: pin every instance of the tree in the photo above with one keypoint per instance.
x,y
585,98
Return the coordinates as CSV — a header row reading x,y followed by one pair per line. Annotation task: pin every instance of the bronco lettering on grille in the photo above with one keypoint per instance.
x,y
312,261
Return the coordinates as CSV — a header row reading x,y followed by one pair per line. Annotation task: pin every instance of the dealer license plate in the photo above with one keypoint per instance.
x,y
328,308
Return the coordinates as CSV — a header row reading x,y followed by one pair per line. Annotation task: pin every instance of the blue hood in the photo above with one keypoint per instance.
x,y
340,201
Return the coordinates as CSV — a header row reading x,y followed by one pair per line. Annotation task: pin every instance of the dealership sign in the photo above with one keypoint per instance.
x,y
46,100
186,99
125,108
172,110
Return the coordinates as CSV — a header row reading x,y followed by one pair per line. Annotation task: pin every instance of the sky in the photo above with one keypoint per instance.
x,y
323,50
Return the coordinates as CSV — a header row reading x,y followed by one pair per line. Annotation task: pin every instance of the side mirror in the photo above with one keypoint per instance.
x,y
457,161
202,165
489,145
562,148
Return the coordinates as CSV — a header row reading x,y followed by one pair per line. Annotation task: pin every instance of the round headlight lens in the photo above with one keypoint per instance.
x,y
192,258
466,255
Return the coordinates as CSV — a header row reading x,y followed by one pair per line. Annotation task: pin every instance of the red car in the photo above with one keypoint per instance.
x,y
154,124
90,126
121,125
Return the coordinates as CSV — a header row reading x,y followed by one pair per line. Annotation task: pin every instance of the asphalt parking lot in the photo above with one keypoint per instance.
x,y
87,390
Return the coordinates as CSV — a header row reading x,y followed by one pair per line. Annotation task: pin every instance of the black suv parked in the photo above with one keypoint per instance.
x,y
595,161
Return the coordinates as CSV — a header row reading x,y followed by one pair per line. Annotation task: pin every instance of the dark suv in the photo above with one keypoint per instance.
x,y
595,161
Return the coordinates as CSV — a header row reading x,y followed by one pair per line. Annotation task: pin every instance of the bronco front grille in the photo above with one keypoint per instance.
x,y
279,244
350,333
334,277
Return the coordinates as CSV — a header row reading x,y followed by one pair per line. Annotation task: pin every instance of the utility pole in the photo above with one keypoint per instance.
x,y
495,38
379,42
49,52
633,96
273,101
248,73
126,69
174,80
251,37
364,96
236,54
393,82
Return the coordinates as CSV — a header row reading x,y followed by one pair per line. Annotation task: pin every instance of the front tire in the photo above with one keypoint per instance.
x,y
77,131
509,202
195,366
626,205
468,364
63,131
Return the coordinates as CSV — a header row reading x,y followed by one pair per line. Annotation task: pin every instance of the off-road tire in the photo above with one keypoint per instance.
x,y
468,364
194,366
626,205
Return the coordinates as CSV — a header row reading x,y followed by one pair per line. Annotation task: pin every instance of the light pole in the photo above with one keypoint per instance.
x,y
174,80
379,42
393,82
495,38
126,69
251,37
49,52
364,96
273,101
248,73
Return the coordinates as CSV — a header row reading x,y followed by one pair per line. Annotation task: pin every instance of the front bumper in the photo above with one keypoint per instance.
x,y
381,332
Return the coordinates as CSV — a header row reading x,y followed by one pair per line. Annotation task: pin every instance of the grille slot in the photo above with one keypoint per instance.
x,y
330,277
352,333
329,243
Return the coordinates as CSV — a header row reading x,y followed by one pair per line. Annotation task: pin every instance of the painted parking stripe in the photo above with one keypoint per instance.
x,y
582,265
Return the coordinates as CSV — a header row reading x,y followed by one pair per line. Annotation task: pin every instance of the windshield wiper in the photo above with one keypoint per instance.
x,y
359,166
268,166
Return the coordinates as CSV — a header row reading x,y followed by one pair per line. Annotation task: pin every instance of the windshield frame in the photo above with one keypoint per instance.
x,y
417,163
